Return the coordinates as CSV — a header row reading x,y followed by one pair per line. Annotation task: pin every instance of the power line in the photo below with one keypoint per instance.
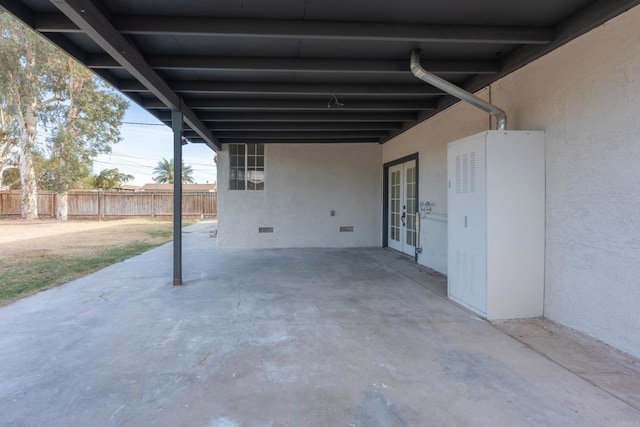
x,y
137,167
146,168
155,160
143,124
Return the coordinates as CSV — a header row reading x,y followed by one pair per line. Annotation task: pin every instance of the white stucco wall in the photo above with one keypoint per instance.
x,y
586,97
303,184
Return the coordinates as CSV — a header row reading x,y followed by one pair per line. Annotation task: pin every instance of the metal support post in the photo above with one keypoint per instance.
x,y
177,125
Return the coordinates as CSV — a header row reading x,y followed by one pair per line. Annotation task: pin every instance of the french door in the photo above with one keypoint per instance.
x,y
402,207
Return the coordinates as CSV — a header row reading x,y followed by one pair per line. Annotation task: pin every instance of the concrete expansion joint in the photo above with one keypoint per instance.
x,y
590,362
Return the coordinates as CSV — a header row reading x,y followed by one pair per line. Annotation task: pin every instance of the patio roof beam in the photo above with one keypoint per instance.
x,y
327,116
260,88
306,135
88,18
235,104
595,14
308,29
306,126
318,140
20,11
314,65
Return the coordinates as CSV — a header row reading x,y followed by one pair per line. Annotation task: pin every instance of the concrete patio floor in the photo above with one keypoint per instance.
x,y
326,337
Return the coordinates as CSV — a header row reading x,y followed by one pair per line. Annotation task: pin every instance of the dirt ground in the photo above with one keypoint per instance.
x,y
21,240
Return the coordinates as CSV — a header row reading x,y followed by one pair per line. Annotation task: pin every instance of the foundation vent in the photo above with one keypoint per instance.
x,y
265,229
346,229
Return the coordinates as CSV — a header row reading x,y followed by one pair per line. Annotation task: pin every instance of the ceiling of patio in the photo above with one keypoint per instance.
x,y
304,70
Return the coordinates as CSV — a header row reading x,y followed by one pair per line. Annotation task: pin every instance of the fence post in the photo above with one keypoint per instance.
x,y
153,205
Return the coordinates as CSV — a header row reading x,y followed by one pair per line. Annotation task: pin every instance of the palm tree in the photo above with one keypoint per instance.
x,y
163,173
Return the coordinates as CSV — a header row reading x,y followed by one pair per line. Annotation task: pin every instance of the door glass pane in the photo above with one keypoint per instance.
x,y
410,237
394,204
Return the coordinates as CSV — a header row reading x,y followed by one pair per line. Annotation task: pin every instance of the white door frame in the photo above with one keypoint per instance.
x,y
397,226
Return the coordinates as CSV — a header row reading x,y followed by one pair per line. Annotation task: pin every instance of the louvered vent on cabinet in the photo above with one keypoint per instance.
x,y
467,272
466,173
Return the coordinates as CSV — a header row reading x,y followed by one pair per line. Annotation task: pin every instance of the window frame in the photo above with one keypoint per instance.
x,y
238,161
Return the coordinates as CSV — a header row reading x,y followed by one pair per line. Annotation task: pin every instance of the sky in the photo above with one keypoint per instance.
x,y
146,141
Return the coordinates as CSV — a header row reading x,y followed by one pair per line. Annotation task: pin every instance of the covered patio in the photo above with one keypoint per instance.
x,y
299,315
313,107
352,337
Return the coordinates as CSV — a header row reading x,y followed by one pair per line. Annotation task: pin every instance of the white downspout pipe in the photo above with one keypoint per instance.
x,y
456,91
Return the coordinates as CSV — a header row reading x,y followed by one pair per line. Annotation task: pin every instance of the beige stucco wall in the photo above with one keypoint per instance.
x,y
586,97
430,140
304,183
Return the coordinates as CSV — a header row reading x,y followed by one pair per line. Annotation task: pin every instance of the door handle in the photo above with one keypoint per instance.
x,y
404,215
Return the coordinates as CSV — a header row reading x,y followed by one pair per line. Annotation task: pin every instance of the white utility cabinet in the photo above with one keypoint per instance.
x,y
496,220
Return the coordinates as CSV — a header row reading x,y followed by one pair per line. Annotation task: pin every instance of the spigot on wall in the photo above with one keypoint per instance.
x,y
425,208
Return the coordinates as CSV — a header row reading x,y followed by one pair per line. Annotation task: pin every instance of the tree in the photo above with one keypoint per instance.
x,y
80,114
8,155
163,173
10,179
108,179
86,124
26,89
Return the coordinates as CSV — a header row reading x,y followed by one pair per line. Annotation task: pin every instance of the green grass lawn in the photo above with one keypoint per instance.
x,y
42,265
25,278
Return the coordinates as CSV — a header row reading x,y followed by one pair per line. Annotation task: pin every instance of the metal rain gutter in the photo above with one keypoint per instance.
x,y
456,91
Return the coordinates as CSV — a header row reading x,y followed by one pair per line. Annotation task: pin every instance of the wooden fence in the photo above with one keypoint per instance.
x,y
116,204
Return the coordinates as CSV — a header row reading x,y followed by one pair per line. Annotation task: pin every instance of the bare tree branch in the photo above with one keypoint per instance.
x,y
50,101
